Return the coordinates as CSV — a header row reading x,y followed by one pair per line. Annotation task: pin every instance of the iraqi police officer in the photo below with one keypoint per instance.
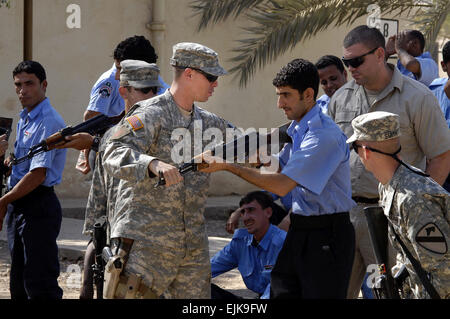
x,y
34,212
416,206
164,226
316,258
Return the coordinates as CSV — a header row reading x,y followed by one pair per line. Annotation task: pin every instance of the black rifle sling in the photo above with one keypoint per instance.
x,y
417,267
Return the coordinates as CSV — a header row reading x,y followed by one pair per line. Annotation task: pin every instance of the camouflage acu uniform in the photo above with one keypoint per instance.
x,y
102,195
416,206
170,248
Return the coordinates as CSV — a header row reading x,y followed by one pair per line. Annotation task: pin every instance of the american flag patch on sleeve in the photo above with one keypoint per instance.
x,y
135,122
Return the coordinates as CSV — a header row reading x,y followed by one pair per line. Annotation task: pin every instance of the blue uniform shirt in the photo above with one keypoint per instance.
x,y
105,97
323,102
286,200
254,263
437,87
32,128
318,160
428,68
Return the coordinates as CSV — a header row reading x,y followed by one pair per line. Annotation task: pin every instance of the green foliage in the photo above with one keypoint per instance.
x,y
280,25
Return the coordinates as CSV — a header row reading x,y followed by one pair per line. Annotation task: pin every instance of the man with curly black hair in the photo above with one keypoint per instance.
x,y
105,97
317,256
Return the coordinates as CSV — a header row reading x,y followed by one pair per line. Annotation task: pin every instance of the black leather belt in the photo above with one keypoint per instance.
x,y
35,195
365,200
318,221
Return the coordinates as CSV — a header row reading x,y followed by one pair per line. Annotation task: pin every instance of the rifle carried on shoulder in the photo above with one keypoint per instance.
x,y
225,149
96,125
5,128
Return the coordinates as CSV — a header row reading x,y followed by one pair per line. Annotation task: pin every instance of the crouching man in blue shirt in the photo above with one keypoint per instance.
x,y
254,250
33,211
317,255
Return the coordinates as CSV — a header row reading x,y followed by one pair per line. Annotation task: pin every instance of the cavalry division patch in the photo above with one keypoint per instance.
x,y
135,122
431,238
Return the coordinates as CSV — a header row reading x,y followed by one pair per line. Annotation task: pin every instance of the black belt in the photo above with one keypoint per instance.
x,y
365,200
30,198
318,222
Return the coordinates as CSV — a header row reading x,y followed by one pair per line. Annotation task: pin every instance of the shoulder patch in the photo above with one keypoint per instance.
x,y
135,123
105,90
119,132
432,239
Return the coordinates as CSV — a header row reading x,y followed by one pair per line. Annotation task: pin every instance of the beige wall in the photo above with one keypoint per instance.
x,y
75,58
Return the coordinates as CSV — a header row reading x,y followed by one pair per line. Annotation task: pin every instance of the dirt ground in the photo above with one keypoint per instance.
x,y
69,277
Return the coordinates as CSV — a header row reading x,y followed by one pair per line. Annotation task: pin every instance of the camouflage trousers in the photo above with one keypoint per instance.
x,y
172,273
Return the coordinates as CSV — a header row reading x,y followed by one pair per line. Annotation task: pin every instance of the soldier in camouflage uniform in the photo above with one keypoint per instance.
x,y
169,252
416,206
138,82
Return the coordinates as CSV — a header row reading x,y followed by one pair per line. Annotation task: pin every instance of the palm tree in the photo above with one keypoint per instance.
x,y
279,25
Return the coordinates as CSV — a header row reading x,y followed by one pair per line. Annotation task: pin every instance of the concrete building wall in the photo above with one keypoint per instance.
x,y
75,58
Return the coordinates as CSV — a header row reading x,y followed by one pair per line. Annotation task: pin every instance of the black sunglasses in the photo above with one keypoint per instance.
x,y
209,77
355,62
393,155
356,146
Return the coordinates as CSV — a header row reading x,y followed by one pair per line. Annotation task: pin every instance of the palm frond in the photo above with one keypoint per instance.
x,y
279,25
215,11
430,22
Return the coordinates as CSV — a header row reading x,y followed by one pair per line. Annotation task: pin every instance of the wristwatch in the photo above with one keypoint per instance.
x,y
95,143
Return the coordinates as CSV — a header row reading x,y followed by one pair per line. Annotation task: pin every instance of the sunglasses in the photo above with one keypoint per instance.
x,y
209,77
393,155
355,62
356,146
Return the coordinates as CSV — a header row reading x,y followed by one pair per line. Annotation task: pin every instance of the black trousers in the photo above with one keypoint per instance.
x,y
316,259
33,224
219,293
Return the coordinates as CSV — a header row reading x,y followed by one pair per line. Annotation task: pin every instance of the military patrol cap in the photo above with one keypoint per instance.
x,y
375,127
139,74
196,56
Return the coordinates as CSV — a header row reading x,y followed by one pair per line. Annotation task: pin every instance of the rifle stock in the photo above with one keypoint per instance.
x,y
378,232
98,267
5,128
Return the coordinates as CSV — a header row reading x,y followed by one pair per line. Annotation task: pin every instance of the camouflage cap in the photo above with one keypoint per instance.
x,y
375,127
196,56
139,74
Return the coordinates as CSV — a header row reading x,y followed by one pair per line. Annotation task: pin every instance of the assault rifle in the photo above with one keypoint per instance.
x,y
230,150
386,287
5,128
98,268
96,125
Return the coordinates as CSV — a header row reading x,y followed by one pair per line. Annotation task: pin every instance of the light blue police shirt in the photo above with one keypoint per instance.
x,y
428,68
255,263
437,87
323,102
32,128
105,97
318,160
285,200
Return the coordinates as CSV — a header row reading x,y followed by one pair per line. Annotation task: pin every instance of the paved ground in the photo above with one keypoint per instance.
x,y
72,245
